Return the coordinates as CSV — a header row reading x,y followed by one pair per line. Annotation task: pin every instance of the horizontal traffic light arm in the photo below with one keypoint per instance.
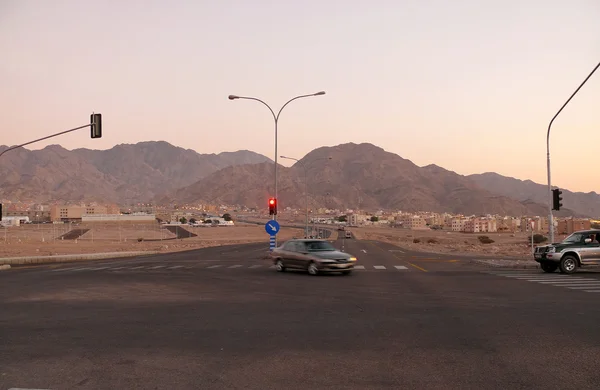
x,y
44,138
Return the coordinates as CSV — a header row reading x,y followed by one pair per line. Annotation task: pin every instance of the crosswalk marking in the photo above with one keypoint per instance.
x,y
576,283
226,266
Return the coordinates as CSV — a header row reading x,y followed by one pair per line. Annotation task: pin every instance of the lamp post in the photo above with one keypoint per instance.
x,y
276,118
551,220
305,186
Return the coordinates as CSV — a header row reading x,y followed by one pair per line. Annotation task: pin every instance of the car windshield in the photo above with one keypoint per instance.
x,y
575,237
319,246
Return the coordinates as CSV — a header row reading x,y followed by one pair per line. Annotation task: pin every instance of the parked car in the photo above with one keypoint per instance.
x,y
314,256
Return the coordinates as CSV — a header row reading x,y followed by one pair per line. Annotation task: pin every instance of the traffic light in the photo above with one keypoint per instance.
x,y
96,125
272,206
556,199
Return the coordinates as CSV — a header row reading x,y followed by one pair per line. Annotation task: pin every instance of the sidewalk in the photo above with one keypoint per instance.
x,y
63,258
507,263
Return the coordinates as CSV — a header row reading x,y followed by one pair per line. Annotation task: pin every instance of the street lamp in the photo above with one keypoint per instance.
x,y
551,220
276,118
305,186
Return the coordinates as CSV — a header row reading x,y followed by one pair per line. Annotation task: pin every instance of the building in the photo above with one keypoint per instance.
x,y
134,217
458,224
32,215
480,225
570,225
74,213
356,219
413,222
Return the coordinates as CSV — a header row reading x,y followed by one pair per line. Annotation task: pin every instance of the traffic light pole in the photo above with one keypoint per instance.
x,y
95,124
550,216
44,138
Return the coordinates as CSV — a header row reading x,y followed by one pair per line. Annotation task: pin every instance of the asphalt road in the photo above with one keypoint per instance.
x,y
220,318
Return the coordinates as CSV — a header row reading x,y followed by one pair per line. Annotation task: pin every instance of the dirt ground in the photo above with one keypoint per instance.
x,y
43,240
515,245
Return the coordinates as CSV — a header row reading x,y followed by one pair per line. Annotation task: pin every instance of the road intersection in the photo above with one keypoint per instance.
x,y
221,318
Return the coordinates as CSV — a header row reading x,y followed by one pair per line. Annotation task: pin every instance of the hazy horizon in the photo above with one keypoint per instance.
x,y
466,86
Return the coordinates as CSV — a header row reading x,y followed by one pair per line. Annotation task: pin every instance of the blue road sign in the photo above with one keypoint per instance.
x,y
272,227
271,243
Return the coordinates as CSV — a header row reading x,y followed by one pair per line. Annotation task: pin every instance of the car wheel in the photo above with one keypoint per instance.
x,y
279,266
548,266
568,264
312,268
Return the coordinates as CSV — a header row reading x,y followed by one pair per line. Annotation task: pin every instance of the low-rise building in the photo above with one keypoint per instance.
x,y
570,225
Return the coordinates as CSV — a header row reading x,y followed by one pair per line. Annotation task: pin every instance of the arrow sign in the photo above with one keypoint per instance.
x,y
272,228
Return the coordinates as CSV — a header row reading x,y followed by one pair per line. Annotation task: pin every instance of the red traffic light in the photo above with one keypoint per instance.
x,y
272,206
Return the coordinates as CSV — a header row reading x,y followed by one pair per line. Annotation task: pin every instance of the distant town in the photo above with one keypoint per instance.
x,y
16,213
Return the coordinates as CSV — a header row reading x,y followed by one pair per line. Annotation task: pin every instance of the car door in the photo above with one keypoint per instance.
x,y
302,257
287,253
590,251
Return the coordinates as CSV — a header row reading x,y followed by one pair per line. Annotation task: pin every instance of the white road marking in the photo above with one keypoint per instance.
x,y
569,283
141,266
236,266
176,267
359,267
400,267
396,250
24,388
158,266
215,266
255,266
364,250
581,287
379,266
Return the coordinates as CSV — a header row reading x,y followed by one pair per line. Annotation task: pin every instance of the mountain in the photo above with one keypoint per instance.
x,y
125,173
587,204
355,176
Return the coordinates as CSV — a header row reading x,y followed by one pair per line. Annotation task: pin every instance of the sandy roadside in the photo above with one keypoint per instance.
x,y
505,245
43,240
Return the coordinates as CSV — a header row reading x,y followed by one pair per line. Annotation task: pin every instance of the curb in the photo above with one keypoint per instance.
x,y
507,265
61,258
4,266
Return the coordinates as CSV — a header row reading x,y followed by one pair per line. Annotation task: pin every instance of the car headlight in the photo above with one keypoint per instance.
x,y
352,258
551,250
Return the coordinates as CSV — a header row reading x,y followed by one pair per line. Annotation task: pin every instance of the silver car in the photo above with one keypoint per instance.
x,y
314,256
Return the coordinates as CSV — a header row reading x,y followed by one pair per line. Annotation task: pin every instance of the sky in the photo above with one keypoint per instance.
x,y
468,85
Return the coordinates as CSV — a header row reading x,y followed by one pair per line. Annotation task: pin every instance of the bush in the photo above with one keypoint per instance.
x,y
416,241
485,240
432,241
538,238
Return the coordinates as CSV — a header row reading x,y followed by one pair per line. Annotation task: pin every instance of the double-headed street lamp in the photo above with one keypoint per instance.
x,y
305,186
550,199
276,118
